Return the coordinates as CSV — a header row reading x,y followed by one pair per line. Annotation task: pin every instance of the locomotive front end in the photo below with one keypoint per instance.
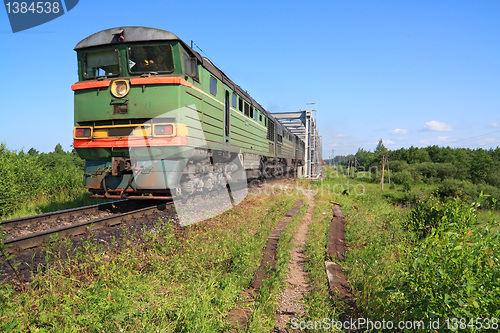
x,y
128,123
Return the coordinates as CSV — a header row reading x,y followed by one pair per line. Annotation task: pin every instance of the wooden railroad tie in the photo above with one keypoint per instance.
x,y
239,315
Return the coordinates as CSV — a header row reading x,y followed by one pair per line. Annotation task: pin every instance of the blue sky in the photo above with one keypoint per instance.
x,y
409,72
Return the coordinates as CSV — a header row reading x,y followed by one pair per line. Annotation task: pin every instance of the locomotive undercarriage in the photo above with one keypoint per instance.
x,y
204,172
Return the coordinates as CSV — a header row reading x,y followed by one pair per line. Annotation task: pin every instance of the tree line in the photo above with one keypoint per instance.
x,y
456,171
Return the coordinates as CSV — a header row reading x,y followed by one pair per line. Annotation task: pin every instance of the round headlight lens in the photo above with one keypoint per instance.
x,y
120,88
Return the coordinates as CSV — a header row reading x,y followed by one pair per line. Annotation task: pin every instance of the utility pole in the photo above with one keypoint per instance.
x,y
382,179
388,171
385,160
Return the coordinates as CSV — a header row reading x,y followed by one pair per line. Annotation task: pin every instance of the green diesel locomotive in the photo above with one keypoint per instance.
x,y
154,119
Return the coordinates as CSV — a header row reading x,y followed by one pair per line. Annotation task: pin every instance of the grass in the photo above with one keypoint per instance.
x,y
60,200
395,275
318,303
263,317
170,281
372,234
188,280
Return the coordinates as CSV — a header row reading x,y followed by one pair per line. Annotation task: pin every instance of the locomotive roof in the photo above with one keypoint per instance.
x,y
142,34
131,34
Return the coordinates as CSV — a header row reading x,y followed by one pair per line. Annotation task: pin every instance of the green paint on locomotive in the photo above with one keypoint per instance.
x,y
142,101
191,103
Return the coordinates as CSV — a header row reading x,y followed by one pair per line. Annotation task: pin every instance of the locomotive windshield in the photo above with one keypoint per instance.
x,y
101,63
150,58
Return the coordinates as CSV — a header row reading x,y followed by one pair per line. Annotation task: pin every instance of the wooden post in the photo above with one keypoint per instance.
x,y
388,171
382,179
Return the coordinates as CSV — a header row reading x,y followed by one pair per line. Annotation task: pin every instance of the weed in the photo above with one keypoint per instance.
x,y
8,257
173,280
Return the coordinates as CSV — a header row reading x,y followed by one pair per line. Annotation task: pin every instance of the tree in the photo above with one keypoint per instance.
x,y
364,158
480,166
419,155
380,149
59,149
33,152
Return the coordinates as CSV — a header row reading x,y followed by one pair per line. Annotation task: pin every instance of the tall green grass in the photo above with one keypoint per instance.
x,y
318,302
169,280
33,182
432,259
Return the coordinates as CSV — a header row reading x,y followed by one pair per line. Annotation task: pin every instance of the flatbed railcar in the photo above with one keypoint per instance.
x,y
154,119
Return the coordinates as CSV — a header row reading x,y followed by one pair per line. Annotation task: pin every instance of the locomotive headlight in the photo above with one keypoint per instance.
x,y
120,88
82,133
163,130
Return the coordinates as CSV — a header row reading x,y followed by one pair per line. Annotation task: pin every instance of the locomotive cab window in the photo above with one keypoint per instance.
x,y
191,67
247,109
150,58
101,63
213,86
234,100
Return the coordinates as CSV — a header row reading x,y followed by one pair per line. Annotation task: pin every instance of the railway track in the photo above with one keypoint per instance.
x,y
31,231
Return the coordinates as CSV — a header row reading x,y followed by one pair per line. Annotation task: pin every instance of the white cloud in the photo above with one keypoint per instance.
x,y
340,135
399,131
436,126
443,138
388,142
425,142
495,124
489,141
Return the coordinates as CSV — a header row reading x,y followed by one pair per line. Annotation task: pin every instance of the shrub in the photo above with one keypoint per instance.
x,y
430,213
26,176
454,272
458,188
406,198
470,192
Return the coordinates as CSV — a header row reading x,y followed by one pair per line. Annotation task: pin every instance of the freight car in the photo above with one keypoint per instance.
x,y
154,119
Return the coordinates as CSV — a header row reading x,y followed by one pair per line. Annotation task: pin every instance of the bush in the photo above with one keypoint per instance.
x,y
429,213
470,192
398,166
26,176
458,188
491,198
454,272
407,198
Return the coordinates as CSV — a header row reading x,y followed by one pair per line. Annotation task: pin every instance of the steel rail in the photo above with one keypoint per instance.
x,y
35,239
61,214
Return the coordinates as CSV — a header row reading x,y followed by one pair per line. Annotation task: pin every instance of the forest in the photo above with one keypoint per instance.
x,y
452,172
